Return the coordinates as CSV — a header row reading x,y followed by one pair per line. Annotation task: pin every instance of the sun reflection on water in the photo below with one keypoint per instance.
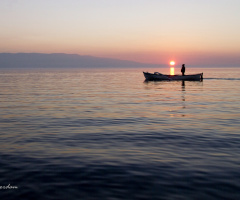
x,y
172,71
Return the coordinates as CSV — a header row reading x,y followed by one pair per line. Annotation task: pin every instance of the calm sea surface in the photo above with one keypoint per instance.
x,y
107,134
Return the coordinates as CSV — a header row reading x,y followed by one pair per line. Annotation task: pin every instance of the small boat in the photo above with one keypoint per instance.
x,y
156,76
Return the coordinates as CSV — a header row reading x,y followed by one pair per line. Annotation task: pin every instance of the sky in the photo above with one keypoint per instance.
x,y
150,31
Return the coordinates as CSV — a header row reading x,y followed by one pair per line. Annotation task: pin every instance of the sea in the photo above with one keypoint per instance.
x,y
107,134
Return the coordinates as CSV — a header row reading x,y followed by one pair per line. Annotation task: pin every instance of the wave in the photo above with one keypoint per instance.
x,y
228,79
50,179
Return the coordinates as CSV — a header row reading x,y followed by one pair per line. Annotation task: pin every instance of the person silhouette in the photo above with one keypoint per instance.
x,y
183,69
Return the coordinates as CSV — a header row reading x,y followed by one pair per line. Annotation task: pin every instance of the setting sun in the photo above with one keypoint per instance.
x,y
172,62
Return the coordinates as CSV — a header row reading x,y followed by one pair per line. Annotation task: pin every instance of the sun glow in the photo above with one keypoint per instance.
x,y
172,62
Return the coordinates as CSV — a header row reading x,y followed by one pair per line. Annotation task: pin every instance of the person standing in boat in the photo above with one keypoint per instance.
x,y
183,69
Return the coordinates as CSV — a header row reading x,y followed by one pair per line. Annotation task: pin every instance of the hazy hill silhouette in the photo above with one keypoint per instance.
x,y
59,60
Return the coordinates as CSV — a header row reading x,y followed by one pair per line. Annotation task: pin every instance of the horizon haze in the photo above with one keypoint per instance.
x,y
61,60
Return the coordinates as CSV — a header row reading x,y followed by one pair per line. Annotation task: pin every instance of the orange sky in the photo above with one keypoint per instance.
x,y
141,30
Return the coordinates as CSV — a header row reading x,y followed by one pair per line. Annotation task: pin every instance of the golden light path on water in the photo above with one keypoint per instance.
x,y
172,71
172,63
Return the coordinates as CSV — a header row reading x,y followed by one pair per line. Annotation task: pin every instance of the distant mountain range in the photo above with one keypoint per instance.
x,y
59,60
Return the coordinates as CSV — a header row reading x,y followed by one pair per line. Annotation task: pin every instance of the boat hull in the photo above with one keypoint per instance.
x,y
162,77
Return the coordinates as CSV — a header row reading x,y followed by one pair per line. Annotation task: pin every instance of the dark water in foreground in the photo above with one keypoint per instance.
x,y
85,134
